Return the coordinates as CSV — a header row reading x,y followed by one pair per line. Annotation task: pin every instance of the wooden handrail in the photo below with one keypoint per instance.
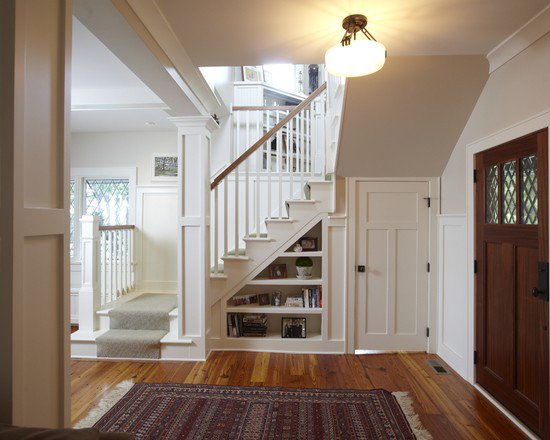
x,y
242,108
116,228
267,136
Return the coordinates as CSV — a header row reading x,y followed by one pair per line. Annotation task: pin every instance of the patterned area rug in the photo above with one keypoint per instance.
x,y
174,411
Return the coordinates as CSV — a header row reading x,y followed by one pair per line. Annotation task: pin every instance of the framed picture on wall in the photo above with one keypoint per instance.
x,y
165,167
253,73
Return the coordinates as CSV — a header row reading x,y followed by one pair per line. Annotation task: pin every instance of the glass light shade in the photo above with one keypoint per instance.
x,y
361,57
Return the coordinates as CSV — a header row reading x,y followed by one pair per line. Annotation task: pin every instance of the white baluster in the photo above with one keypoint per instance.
x,y
279,145
247,181
225,222
216,230
125,260
314,145
259,154
237,211
131,263
103,262
111,268
302,155
268,162
290,149
307,168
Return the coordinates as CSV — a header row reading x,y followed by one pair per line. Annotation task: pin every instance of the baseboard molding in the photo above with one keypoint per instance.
x,y
530,434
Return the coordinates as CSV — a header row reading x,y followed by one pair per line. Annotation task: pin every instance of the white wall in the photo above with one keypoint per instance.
x,y
156,202
517,90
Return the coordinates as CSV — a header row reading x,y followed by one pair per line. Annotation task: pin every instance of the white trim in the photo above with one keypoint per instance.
x,y
521,39
434,194
507,413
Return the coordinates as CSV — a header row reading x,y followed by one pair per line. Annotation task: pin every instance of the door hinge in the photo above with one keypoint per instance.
x,y
475,357
428,266
475,266
475,176
427,332
429,201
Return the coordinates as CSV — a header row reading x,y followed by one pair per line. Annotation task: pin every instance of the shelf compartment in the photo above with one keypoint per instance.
x,y
285,282
282,310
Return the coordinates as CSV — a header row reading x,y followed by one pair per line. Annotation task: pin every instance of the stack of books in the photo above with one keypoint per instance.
x,y
247,325
255,325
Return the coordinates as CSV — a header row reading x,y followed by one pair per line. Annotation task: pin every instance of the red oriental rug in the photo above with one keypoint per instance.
x,y
175,411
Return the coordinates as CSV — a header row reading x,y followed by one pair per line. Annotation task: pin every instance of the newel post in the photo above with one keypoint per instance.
x,y
89,296
194,141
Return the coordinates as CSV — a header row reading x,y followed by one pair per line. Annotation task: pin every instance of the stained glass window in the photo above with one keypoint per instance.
x,y
109,200
529,190
509,193
491,194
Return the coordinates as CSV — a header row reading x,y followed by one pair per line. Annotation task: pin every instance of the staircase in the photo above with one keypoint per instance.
x,y
270,192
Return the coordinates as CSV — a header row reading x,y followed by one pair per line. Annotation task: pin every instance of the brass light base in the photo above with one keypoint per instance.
x,y
354,23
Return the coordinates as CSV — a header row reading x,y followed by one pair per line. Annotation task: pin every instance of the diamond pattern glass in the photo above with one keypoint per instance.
x,y
491,194
71,212
509,193
108,199
529,191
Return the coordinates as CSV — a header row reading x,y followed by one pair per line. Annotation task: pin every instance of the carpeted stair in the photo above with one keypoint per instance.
x,y
136,327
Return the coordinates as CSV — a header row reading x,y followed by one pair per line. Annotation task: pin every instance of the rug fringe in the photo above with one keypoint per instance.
x,y
105,404
406,404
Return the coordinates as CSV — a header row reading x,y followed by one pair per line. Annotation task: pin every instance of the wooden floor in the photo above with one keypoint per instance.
x,y
448,406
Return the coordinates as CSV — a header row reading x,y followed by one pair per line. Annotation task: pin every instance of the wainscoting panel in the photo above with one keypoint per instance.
x,y
453,292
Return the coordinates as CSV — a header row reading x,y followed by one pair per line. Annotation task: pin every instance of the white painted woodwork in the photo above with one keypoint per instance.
x,y
392,242
91,295
453,292
35,44
194,134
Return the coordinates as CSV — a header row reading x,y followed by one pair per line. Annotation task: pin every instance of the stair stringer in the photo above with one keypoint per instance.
x,y
272,257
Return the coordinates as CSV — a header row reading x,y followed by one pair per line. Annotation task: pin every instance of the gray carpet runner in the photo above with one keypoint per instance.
x,y
136,327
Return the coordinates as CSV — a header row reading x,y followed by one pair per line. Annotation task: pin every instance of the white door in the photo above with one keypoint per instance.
x,y
392,244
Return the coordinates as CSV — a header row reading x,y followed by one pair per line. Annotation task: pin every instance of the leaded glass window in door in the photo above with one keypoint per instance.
x,y
509,192
491,194
109,200
529,190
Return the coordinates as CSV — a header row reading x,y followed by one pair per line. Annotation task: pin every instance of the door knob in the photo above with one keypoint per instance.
x,y
535,292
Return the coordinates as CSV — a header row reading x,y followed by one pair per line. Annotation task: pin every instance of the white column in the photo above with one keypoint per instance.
x,y
194,134
89,295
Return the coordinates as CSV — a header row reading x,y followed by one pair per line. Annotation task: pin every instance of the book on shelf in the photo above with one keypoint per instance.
x,y
247,325
312,297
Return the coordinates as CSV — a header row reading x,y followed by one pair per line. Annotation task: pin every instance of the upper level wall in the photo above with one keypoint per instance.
x,y
517,90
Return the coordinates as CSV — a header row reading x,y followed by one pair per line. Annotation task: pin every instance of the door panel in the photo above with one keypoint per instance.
x,y
511,240
392,295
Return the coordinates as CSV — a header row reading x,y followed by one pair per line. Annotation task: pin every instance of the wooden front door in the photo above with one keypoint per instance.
x,y
512,277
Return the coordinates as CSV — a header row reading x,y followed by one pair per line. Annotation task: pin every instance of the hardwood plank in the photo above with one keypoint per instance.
x,y
448,406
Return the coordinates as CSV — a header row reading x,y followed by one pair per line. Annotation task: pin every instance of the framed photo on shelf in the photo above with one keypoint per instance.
x,y
165,167
253,73
276,299
293,327
263,299
308,243
277,271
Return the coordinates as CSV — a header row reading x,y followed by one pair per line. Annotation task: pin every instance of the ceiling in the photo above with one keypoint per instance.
x,y
253,32
106,95
405,120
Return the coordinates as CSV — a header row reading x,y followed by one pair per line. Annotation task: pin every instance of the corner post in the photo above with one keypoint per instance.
x,y
89,295
194,141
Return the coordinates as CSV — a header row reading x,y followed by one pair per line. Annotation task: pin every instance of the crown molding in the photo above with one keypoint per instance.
x,y
520,40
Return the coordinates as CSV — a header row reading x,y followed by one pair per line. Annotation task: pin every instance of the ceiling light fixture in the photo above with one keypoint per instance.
x,y
352,57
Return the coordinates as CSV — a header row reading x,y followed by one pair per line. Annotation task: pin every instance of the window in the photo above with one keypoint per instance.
x,y
110,197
